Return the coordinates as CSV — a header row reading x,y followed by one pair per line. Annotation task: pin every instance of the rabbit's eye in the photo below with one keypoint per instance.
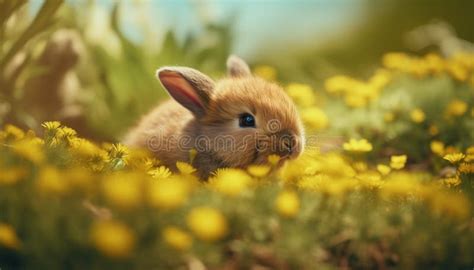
x,y
246,120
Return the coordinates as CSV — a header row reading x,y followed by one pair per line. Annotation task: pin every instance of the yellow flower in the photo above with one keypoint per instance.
x,y
230,182
398,162
160,173
119,151
266,72
168,193
452,181
339,84
12,175
466,168
259,170
287,204
437,147
273,159
112,238
177,238
457,71
185,168
354,145
14,132
50,180
417,115
383,169
302,94
52,125
8,237
29,149
456,108
454,157
207,223
314,118
123,189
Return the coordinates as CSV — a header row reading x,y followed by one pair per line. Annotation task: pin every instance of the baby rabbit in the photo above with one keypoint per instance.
x,y
233,122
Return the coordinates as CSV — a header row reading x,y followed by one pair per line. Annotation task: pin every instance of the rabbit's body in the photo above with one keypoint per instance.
x,y
234,122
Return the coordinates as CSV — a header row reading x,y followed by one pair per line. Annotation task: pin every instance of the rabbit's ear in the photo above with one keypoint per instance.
x,y
189,87
236,67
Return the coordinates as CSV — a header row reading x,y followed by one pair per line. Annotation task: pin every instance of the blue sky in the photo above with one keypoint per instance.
x,y
259,23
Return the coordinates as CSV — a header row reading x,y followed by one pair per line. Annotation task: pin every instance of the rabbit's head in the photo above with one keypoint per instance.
x,y
241,119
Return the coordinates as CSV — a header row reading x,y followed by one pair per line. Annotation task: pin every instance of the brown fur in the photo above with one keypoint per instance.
x,y
215,115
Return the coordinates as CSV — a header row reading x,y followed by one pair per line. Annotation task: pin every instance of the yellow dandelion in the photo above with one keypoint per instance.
x,y
52,125
454,157
302,94
437,147
8,237
259,170
456,108
119,151
207,223
383,169
287,204
123,189
466,168
112,238
168,193
185,168
51,180
273,159
314,118
231,182
177,238
29,149
14,132
417,115
452,181
354,145
266,72
398,162
339,84
161,172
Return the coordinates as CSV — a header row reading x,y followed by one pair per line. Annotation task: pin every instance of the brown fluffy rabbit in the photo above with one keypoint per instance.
x,y
233,122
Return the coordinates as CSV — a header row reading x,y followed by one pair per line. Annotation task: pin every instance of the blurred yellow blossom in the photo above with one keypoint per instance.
x,y
433,130
437,147
160,172
454,157
302,94
273,159
398,162
207,223
52,125
14,132
417,115
177,238
389,117
29,149
50,180
314,118
259,170
123,189
8,237
452,181
230,182
456,108
287,203
112,238
466,168
354,145
168,193
185,168
266,72
383,169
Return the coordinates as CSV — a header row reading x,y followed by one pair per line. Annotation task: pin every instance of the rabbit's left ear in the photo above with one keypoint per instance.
x,y
236,67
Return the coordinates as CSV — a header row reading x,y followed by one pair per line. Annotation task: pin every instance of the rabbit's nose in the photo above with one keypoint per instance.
x,y
289,145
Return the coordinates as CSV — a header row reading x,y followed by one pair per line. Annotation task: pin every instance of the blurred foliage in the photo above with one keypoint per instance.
x,y
69,203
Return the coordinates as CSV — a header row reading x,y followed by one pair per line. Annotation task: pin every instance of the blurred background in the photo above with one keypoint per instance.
x,y
91,64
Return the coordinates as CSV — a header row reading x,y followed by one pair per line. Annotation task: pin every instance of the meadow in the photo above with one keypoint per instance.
x,y
387,181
